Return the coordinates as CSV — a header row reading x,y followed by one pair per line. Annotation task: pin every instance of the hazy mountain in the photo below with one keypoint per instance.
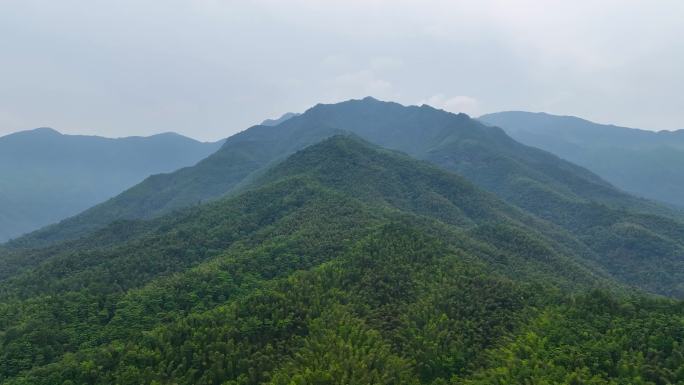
x,y
645,163
46,176
344,263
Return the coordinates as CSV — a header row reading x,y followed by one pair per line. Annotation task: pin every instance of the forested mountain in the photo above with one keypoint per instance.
x,y
485,155
645,163
345,263
639,242
46,176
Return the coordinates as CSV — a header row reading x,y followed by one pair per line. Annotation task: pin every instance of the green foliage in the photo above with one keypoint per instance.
x,y
343,264
594,340
56,292
342,350
347,307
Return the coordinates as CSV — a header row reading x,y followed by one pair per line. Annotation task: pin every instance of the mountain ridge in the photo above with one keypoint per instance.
x,y
642,162
46,176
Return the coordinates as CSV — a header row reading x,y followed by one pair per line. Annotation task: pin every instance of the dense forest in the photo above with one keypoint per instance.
x,y
346,264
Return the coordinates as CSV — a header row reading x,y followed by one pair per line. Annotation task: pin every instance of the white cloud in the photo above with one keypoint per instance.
x,y
455,104
358,84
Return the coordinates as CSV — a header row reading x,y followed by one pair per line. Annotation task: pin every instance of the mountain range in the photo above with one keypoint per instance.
x,y
584,207
46,176
363,242
642,162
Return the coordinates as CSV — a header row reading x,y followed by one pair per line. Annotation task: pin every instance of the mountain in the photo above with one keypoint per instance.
x,y
46,176
644,163
237,159
344,263
637,241
483,154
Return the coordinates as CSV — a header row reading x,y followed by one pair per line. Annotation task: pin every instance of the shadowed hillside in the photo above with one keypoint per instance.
x,y
645,163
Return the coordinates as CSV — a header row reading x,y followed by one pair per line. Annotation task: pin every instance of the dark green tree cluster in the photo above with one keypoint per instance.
x,y
594,339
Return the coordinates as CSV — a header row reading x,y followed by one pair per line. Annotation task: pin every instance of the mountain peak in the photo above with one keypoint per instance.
x,y
344,148
44,131
345,142
166,135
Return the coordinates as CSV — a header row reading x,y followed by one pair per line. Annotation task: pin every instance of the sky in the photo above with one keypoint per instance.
x,y
210,68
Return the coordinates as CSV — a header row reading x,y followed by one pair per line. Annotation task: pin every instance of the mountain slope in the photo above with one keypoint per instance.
x,y
240,156
46,176
483,154
345,263
280,225
634,247
642,162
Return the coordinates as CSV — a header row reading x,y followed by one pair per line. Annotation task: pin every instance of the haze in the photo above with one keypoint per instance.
x,y
208,69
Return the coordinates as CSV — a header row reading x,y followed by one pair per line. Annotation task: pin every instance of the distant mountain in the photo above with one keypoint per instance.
x,y
275,122
46,176
645,163
344,263
639,242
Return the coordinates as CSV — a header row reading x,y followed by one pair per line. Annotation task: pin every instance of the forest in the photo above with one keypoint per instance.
x,y
344,264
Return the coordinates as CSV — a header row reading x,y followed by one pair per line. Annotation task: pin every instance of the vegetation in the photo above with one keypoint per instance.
x,y
585,218
344,264
593,339
396,307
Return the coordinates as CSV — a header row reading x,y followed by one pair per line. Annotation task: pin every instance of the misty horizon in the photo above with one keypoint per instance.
x,y
219,138
209,69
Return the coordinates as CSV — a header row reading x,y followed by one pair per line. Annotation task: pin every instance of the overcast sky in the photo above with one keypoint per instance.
x,y
210,68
